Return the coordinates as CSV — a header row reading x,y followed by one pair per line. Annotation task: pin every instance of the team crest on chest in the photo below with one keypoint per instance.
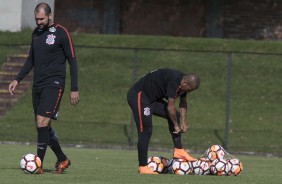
x,y
50,39
52,29
146,111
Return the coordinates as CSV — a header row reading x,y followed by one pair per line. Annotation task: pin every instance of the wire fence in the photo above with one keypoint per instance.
x,y
238,104
245,96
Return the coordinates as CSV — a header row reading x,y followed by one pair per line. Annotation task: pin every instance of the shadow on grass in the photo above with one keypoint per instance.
x,y
22,172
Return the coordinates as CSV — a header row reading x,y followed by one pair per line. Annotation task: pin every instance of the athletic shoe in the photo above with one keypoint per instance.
x,y
146,170
57,164
39,171
61,166
181,153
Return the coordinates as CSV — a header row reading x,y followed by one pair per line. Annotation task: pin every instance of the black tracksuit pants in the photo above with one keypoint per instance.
x,y
143,110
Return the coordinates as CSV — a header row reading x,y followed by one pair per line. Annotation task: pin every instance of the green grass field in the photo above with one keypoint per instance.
x,y
101,166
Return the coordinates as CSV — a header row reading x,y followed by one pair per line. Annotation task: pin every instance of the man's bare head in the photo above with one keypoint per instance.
x,y
190,82
43,16
43,6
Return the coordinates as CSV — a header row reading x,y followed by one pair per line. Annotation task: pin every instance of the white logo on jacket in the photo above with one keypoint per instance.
x,y
50,39
146,111
52,29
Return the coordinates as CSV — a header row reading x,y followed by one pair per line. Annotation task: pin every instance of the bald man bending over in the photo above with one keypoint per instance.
x,y
146,98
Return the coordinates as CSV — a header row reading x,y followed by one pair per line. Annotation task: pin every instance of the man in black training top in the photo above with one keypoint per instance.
x,y
51,45
146,98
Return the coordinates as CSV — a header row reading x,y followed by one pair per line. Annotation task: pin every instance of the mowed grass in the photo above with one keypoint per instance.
x,y
120,167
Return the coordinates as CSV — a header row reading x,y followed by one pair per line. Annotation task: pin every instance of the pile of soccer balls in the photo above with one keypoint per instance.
x,y
215,161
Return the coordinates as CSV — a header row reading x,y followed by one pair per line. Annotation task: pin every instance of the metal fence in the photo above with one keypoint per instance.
x,y
249,117
238,104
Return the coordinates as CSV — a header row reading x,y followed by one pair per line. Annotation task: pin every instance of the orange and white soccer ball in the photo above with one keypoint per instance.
x,y
215,152
157,163
219,167
30,163
181,167
200,167
235,167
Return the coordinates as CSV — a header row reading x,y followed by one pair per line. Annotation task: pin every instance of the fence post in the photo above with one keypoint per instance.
x,y
228,95
135,62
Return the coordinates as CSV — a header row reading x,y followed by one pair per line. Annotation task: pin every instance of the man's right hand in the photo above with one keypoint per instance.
x,y
12,86
184,126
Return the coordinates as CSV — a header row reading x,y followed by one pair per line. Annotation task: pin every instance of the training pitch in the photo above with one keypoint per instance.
x,y
120,166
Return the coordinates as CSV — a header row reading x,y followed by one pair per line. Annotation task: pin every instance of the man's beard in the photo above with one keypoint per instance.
x,y
43,27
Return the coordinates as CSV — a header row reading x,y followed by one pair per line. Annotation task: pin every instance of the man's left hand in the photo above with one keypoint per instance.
x,y
74,97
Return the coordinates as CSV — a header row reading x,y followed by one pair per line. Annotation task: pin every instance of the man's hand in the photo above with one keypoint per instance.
x,y
74,97
12,86
177,130
172,113
184,126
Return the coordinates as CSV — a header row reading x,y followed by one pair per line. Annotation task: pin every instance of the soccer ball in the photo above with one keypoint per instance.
x,y
215,152
181,167
200,167
30,163
235,167
219,167
157,163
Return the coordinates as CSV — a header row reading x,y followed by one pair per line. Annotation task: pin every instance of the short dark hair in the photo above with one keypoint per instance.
x,y
45,6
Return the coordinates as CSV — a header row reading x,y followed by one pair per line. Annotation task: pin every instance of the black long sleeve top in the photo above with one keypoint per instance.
x,y
50,48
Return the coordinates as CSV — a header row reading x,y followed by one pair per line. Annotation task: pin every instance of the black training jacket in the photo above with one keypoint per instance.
x,y
50,48
161,83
